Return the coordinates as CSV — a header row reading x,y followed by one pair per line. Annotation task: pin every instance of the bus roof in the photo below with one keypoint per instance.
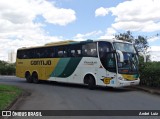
x,y
52,44
114,40
60,43
67,42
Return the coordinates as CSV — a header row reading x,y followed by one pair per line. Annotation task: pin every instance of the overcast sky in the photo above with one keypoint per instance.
x,y
25,23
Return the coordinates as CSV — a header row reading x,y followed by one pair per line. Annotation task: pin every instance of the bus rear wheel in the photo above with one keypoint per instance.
x,y
28,77
35,78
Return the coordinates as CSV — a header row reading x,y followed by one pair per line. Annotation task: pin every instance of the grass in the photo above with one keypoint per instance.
x,y
7,95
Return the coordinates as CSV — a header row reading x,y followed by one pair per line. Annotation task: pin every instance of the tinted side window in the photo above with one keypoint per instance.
x,y
24,54
46,52
20,54
52,52
75,51
107,57
104,47
89,50
62,51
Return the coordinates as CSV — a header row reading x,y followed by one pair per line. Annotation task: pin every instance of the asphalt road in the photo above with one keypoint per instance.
x,y
59,96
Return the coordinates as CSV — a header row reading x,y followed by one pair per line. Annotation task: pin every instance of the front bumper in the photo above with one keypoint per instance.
x,y
123,83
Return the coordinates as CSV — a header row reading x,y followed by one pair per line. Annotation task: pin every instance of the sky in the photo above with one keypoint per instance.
x,y
25,23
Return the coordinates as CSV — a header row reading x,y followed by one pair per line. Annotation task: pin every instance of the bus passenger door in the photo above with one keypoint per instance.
x,y
109,63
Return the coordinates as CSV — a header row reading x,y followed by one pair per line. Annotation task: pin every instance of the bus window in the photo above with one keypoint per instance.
x,y
26,54
51,52
62,51
107,57
19,54
75,51
22,54
47,52
65,53
31,53
89,50
104,47
37,53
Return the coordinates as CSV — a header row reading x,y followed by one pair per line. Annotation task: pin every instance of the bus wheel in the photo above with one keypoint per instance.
x,y
28,77
35,78
91,82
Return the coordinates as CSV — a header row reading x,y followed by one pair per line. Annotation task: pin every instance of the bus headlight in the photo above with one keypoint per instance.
x,y
121,78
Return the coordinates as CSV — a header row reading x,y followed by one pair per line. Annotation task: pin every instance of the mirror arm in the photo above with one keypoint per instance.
x,y
121,55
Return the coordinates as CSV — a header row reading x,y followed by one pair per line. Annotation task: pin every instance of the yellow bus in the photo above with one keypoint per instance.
x,y
112,63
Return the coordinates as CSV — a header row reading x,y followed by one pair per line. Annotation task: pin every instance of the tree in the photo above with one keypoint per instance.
x,y
7,68
125,36
140,43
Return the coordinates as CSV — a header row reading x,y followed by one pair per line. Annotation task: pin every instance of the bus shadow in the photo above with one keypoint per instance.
x,y
118,90
81,86
69,85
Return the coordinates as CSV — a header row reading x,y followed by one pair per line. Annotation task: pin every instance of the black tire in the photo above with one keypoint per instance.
x,y
91,82
35,78
28,78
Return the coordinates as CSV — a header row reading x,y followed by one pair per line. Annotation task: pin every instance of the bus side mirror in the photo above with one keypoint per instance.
x,y
121,55
143,55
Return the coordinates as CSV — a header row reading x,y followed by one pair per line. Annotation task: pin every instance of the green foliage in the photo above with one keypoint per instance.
x,y
7,95
7,68
140,43
125,36
150,74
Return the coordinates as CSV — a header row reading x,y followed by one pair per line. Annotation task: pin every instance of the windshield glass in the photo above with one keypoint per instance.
x,y
130,64
124,47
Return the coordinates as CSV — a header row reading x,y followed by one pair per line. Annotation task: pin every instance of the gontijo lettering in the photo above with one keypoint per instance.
x,y
41,62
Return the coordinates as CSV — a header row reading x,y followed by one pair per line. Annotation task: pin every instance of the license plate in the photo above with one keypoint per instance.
x,y
132,83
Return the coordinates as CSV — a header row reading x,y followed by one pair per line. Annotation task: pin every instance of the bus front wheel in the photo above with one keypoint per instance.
x,y
91,82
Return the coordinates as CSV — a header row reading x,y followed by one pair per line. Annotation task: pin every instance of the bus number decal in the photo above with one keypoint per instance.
x,y
106,80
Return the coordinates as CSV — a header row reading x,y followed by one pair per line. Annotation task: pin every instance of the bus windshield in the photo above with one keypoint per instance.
x,y
130,64
124,47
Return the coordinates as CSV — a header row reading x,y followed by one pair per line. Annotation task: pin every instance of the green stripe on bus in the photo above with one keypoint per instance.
x,y
65,67
60,67
71,66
